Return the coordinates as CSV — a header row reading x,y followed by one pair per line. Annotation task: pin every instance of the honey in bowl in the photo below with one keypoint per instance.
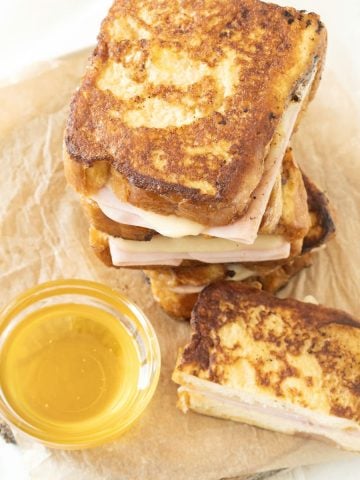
x,y
76,373
69,364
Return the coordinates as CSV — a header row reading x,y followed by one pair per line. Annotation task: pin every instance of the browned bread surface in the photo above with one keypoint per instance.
x,y
181,100
165,281
100,245
322,227
294,222
104,224
305,354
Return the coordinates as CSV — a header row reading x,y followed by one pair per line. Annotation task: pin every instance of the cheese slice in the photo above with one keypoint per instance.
x,y
243,230
187,289
172,251
240,272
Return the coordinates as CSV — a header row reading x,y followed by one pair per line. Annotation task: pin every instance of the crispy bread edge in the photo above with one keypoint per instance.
x,y
322,226
316,314
180,305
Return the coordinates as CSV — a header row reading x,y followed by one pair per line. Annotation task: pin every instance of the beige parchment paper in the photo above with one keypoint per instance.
x,y
43,236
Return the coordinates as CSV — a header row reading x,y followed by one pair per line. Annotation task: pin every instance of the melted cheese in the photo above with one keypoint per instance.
x,y
241,273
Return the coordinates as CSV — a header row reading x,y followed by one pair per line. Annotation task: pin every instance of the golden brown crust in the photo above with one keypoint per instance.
x,y
280,276
85,179
322,227
104,224
100,245
166,280
200,275
314,350
177,305
240,50
294,222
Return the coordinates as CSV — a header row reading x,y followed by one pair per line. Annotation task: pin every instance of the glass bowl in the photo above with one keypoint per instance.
x,y
45,389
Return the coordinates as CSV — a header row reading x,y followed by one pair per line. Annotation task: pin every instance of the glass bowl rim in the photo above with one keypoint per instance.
x,y
83,287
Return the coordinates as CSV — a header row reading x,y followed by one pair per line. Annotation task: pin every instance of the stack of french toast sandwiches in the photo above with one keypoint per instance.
x,y
178,142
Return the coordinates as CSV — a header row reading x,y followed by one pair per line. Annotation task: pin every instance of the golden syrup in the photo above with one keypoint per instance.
x,y
70,368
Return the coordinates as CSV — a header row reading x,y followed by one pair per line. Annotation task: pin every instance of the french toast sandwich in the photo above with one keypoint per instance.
x,y
280,364
178,136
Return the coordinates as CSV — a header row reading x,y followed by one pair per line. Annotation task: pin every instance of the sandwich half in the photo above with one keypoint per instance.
x,y
284,365
177,134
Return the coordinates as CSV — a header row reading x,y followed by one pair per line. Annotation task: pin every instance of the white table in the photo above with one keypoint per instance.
x,y
37,30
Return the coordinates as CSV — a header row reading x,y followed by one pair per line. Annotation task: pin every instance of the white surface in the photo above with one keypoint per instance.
x,y
11,464
38,30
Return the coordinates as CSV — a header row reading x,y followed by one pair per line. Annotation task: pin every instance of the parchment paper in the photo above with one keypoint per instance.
x,y
44,236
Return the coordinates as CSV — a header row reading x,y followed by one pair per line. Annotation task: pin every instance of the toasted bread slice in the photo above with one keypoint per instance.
x,y
181,102
322,226
106,225
279,364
